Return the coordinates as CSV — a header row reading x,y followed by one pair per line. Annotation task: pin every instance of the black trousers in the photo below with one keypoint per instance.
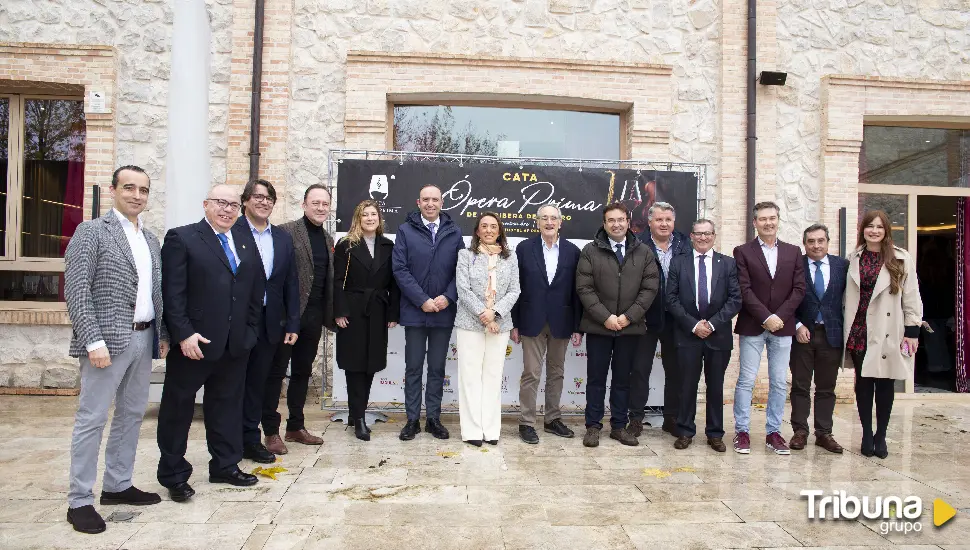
x,y
300,358
643,366
820,359
867,389
257,372
692,360
223,381
606,354
358,392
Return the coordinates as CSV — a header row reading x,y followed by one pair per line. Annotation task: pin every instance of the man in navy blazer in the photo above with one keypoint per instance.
x,y
212,290
281,306
546,316
818,340
666,245
703,295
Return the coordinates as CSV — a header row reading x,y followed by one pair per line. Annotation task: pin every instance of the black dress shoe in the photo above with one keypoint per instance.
x,y
360,430
258,453
492,441
86,519
475,442
528,434
233,476
131,495
434,427
411,429
180,492
351,421
557,427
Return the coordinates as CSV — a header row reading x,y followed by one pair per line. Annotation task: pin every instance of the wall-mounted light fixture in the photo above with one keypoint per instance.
x,y
772,78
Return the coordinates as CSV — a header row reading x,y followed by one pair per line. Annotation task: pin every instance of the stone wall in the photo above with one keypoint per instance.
x,y
140,33
679,33
927,39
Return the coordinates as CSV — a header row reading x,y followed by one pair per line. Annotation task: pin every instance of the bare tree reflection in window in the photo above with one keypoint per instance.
x,y
417,129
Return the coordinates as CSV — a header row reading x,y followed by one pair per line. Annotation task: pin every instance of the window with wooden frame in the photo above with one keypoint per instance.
x,y
42,145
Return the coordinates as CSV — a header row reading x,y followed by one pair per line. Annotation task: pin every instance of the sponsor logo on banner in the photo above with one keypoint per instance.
x,y
505,384
378,187
388,382
579,384
508,351
454,352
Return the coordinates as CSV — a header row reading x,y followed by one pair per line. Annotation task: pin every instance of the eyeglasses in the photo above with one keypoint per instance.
x,y
226,205
702,233
262,198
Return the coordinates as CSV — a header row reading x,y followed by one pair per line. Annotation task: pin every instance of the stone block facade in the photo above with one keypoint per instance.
x,y
674,69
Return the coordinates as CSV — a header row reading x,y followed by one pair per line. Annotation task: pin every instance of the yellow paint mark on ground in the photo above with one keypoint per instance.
x,y
656,472
268,472
447,454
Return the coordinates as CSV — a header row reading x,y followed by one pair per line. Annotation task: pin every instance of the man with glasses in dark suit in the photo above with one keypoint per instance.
x,y
213,285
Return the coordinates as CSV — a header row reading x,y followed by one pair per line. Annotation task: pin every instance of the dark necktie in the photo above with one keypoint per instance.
x,y
431,228
619,253
225,247
819,287
702,298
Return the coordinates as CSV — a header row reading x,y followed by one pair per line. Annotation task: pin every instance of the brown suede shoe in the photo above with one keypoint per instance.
x,y
717,444
635,427
304,437
798,441
275,445
827,442
683,442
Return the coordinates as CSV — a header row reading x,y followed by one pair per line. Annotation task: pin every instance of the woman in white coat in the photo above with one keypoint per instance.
x,y
488,286
883,315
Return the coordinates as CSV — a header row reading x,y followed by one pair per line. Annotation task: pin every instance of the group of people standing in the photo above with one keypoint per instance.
x,y
245,300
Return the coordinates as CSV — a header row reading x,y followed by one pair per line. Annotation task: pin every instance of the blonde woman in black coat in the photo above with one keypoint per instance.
x,y
366,303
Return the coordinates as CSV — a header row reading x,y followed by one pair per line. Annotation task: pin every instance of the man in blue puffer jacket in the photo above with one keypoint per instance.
x,y
424,259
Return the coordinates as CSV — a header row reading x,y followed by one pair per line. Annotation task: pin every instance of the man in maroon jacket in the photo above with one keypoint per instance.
x,y
772,280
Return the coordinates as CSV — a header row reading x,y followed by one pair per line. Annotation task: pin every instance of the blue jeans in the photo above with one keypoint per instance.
x,y
418,342
779,351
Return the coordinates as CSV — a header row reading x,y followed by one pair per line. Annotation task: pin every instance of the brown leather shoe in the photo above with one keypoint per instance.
x,y
275,445
683,442
798,441
717,444
304,437
827,442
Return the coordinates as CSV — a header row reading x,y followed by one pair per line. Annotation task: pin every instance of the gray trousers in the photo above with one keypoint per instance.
x,y
125,381
534,350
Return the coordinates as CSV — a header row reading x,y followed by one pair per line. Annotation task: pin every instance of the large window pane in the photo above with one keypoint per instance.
x,y
31,286
915,156
4,170
53,183
895,206
506,132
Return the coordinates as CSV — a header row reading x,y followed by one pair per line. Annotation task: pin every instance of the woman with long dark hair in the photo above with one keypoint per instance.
x,y
883,315
366,303
488,286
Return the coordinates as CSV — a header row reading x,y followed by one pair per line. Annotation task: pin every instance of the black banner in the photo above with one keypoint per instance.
x,y
514,192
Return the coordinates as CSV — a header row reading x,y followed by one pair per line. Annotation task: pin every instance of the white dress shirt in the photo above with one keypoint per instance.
x,y
709,270
771,256
264,243
826,271
144,307
551,256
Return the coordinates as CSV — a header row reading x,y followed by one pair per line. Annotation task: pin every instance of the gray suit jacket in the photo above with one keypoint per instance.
x,y
101,285
304,268
471,278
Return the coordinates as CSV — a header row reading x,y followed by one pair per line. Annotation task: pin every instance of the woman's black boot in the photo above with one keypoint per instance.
x,y
360,429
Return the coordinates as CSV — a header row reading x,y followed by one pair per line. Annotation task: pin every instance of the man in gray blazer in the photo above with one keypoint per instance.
x,y
114,298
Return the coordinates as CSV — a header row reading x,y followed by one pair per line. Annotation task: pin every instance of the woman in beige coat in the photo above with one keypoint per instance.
x,y
883,315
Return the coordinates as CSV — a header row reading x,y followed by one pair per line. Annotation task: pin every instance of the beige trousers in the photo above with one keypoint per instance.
x,y
481,358
534,350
